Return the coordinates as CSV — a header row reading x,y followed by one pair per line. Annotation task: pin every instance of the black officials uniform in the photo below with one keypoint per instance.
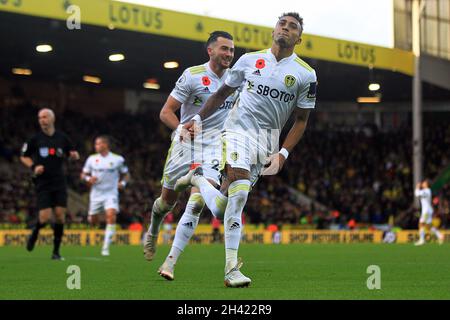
x,y
50,152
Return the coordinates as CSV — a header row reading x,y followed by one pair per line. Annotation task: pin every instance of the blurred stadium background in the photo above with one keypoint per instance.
x,y
353,170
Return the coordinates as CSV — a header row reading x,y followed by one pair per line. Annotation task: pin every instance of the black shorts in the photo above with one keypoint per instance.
x,y
51,199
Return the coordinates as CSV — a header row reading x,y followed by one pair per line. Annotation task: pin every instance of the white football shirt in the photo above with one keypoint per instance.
x,y
271,91
425,200
107,169
194,87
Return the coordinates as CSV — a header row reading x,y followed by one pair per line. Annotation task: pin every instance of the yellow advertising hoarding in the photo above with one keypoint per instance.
x,y
71,237
125,237
113,14
203,236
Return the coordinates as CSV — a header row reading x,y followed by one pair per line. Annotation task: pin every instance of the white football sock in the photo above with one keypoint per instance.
x,y
213,198
186,226
237,198
422,234
109,233
231,259
159,212
173,255
436,232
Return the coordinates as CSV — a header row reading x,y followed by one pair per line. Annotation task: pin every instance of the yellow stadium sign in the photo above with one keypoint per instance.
x,y
126,237
203,235
329,236
114,14
71,237
411,236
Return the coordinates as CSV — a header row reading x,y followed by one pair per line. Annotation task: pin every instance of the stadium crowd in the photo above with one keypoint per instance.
x,y
359,174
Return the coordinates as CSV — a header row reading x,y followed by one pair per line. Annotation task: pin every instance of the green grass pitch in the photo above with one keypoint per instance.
x,y
297,271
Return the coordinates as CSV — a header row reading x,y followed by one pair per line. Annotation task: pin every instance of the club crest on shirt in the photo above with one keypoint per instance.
x,y
43,152
289,80
234,156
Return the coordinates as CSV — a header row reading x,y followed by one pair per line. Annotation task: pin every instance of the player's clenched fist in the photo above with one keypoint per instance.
x,y
274,164
189,130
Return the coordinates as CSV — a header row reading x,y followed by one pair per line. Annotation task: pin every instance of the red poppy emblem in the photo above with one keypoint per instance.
x,y
51,151
206,81
260,63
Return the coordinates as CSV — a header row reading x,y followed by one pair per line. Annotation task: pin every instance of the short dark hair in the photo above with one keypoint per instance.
x,y
294,15
216,34
105,138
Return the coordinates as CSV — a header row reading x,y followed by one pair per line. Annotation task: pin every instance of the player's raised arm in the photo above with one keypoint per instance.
x,y
417,192
234,80
216,100
167,114
211,105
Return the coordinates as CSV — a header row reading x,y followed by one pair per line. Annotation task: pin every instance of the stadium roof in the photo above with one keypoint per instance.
x,y
149,36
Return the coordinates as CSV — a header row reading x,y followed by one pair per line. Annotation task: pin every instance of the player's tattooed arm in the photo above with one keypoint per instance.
x,y
215,101
298,128
276,161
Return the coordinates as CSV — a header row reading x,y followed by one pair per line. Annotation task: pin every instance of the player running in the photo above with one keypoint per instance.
x,y
106,173
278,83
191,91
423,192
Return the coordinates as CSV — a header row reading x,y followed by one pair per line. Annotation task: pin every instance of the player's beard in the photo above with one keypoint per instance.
x,y
283,42
222,62
225,64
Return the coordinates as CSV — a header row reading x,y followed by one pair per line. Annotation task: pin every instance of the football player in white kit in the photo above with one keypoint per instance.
x,y
423,192
106,173
278,84
191,91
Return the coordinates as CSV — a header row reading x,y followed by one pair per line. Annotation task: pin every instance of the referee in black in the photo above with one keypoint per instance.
x,y
44,154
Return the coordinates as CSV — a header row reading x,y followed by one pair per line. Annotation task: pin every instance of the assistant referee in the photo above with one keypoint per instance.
x,y
44,154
